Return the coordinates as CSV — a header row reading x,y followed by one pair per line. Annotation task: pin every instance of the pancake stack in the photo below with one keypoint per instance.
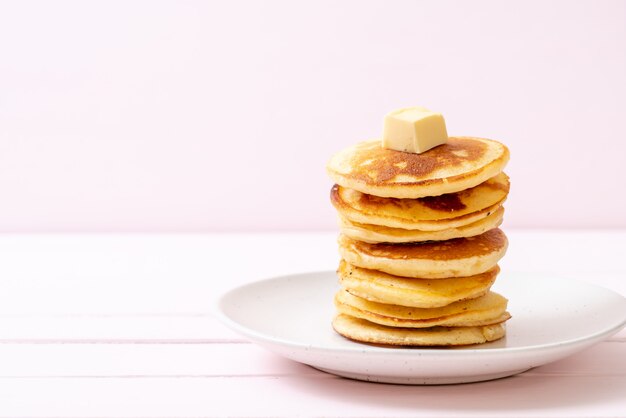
x,y
420,243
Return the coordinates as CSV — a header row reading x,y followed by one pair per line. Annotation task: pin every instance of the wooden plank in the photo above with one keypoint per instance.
x,y
323,395
143,360
148,328
146,274
182,274
210,360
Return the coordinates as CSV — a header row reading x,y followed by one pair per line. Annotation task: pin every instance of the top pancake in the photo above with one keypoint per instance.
x,y
461,163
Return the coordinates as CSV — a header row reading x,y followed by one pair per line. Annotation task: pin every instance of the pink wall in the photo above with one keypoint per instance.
x,y
199,116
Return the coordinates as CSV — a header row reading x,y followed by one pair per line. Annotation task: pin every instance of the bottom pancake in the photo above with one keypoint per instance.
x,y
364,331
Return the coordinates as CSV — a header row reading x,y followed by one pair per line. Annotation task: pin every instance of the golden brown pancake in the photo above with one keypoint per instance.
x,y
485,310
458,257
461,163
428,213
420,293
365,331
376,233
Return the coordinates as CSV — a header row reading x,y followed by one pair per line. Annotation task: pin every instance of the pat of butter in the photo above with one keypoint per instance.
x,y
414,129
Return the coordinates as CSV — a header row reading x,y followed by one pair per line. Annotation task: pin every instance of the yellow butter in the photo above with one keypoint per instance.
x,y
414,129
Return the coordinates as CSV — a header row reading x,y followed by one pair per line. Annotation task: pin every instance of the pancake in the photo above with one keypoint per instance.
x,y
376,233
461,163
381,287
457,257
486,310
364,331
428,213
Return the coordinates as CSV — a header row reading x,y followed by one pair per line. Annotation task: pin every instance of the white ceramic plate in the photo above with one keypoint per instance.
x,y
552,318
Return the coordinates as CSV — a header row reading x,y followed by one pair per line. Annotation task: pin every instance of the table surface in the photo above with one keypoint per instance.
x,y
119,325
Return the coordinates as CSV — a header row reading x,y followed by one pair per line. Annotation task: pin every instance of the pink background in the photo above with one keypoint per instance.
x,y
200,116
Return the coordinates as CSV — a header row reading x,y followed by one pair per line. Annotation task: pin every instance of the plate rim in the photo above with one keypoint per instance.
x,y
403,351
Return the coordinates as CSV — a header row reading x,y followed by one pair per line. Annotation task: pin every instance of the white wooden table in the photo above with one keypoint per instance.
x,y
119,325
